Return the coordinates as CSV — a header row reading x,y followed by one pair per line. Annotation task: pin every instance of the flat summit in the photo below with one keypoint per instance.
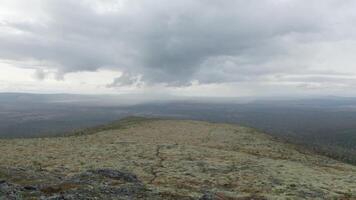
x,y
139,158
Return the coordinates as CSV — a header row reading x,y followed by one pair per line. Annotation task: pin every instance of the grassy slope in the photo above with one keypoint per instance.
x,y
188,157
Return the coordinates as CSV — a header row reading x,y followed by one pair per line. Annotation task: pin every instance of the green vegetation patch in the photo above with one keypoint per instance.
x,y
124,123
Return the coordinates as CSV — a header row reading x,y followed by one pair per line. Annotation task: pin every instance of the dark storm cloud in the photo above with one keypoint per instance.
x,y
170,42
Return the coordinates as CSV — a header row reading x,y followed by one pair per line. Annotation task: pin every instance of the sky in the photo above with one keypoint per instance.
x,y
224,48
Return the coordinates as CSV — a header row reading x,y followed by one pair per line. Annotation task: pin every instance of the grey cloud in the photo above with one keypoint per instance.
x,y
320,79
172,42
40,74
126,80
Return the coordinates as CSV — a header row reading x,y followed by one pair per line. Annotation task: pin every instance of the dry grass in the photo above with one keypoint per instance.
x,y
190,157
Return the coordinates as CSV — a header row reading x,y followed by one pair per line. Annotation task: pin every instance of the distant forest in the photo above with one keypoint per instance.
x,y
324,125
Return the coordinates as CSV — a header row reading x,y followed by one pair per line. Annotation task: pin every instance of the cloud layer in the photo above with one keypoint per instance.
x,y
178,42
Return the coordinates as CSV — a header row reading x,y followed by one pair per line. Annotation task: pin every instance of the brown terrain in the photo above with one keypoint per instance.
x,y
139,158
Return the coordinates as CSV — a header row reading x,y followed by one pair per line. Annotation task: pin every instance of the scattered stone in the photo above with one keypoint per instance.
x,y
114,174
55,197
32,188
92,184
214,196
208,196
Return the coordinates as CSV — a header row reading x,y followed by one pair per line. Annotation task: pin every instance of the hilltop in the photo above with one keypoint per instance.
x,y
140,158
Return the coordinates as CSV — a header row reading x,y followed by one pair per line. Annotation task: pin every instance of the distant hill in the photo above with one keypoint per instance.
x,y
323,124
140,158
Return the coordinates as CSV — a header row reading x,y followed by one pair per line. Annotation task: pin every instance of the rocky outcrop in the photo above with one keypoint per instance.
x,y
92,184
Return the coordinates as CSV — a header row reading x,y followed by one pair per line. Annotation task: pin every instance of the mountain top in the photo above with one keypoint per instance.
x,y
140,158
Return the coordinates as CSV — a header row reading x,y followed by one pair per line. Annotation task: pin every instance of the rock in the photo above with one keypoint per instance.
x,y
114,174
9,191
92,184
207,196
55,197
32,188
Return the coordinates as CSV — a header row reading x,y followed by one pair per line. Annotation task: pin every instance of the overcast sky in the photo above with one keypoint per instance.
x,y
180,47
